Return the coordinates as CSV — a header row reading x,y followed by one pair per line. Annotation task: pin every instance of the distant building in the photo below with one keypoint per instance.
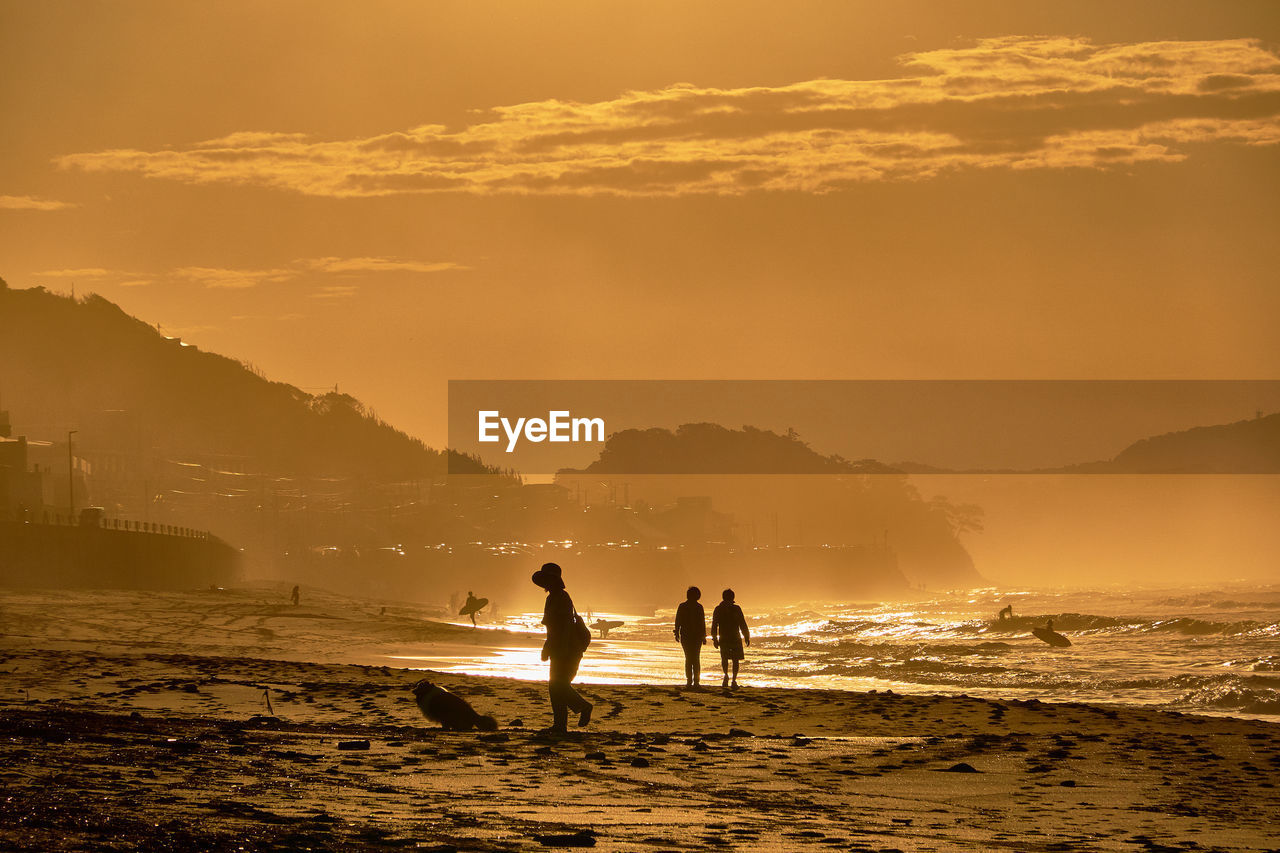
x,y
21,485
51,460
34,477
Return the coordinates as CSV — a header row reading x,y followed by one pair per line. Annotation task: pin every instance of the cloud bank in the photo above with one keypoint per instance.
x,y
1005,103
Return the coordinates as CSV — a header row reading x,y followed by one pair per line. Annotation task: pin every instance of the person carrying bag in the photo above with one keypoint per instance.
x,y
567,639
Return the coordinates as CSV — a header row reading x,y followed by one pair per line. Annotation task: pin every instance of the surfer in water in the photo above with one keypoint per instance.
x,y
691,631
1050,636
728,634
1006,612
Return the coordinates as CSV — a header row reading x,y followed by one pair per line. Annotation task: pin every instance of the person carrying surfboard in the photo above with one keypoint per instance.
x,y
472,607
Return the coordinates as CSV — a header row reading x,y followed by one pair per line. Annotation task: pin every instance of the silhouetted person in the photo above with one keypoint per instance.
x,y
563,648
604,626
472,607
1048,626
728,634
1006,612
293,596
691,631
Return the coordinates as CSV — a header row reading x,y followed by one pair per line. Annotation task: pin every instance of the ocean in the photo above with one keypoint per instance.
x,y
1203,650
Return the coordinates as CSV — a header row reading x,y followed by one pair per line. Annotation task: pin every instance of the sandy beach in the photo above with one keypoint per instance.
x,y
226,720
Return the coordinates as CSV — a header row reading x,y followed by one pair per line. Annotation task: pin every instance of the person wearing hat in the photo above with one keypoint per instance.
x,y
563,649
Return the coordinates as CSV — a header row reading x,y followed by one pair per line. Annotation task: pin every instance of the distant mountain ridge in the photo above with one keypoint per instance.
x,y
1244,447
1249,446
85,363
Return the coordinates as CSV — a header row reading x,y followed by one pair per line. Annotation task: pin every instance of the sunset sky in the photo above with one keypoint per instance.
x,y
389,195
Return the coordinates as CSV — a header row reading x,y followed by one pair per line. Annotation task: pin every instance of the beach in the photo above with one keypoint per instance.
x,y
231,720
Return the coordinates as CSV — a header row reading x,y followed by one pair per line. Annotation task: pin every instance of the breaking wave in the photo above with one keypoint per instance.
x,y
1211,651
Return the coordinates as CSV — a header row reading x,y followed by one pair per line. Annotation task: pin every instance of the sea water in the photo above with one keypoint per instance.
x,y
1198,650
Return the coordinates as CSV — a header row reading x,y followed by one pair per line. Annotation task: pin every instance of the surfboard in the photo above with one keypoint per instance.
x,y
606,624
1053,638
475,607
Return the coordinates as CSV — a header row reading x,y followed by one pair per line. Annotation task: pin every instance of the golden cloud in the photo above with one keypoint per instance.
x,y
342,265
26,202
335,291
1006,103
238,278
232,278
91,272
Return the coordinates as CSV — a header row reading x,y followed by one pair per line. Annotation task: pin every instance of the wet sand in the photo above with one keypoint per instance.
x,y
140,722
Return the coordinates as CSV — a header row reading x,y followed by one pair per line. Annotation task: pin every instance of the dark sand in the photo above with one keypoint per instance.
x,y
137,722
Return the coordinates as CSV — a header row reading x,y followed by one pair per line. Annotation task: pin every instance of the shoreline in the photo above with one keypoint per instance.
x,y
229,722
131,748
170,751
335,628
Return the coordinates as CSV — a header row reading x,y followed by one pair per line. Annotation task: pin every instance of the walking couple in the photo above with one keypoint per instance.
x,y
728,633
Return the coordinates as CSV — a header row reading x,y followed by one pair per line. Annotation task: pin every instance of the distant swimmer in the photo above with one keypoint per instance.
x,y
472,607
293,596
1006,613
729,634
691,631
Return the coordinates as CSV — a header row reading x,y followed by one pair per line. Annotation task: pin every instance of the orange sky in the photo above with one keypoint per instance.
x,y
388,195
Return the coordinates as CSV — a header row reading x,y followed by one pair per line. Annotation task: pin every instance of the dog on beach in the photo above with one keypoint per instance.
x,y
450,710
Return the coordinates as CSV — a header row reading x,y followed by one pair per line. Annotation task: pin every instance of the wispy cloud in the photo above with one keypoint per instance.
x,y
1004,103
340,265
233,278
88,272
236,278
334,291
26,202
